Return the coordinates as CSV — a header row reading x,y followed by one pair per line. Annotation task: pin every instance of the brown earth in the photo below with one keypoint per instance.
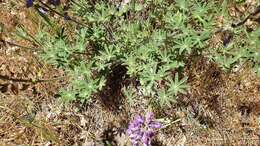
x,y
221,108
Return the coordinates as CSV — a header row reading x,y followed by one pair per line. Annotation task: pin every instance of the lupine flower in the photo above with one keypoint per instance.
x,y
54,2
143,129
29,3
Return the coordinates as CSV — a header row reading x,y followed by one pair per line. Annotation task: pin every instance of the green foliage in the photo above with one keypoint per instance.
x,y
152,39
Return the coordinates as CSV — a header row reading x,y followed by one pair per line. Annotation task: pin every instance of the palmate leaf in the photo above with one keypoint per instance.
x,y
81,41
149,77
225,62
200,11
107,54
101,82
67,96
165,98
150,74
101,14
170,66
175,20
183,4
184,45
145,51
85,88
165,56
101,65
84,69
177,86
158,37
56,53
132,65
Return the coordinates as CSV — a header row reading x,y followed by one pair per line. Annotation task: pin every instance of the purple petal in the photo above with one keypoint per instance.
x,y
133,127
134,131
138,120
149,117
135,143
147,137
135,136
154,125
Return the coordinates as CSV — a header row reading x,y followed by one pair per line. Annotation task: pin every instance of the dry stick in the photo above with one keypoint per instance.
x,y
7,108
17,45
61,15
29,80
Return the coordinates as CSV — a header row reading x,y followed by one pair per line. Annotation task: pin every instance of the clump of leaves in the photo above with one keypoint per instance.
x,y
152,39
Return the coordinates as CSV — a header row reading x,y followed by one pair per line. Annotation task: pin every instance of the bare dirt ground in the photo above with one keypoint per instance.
x,y
221,108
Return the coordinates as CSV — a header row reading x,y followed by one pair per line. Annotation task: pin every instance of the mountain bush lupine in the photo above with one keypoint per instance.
x,y
143,129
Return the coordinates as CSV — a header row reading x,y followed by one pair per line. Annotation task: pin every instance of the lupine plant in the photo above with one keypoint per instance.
x,y
152,39
142,129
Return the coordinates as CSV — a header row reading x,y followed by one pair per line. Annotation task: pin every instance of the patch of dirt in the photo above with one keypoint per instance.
x,y
223,106
111,95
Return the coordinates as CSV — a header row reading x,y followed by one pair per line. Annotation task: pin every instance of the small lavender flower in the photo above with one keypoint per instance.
x,y
143,129
29,3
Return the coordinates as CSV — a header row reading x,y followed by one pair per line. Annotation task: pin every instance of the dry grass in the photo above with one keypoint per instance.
x,y
221,108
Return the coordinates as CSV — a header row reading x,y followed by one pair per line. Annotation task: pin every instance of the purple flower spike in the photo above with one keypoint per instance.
x,y
29,3
141,130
